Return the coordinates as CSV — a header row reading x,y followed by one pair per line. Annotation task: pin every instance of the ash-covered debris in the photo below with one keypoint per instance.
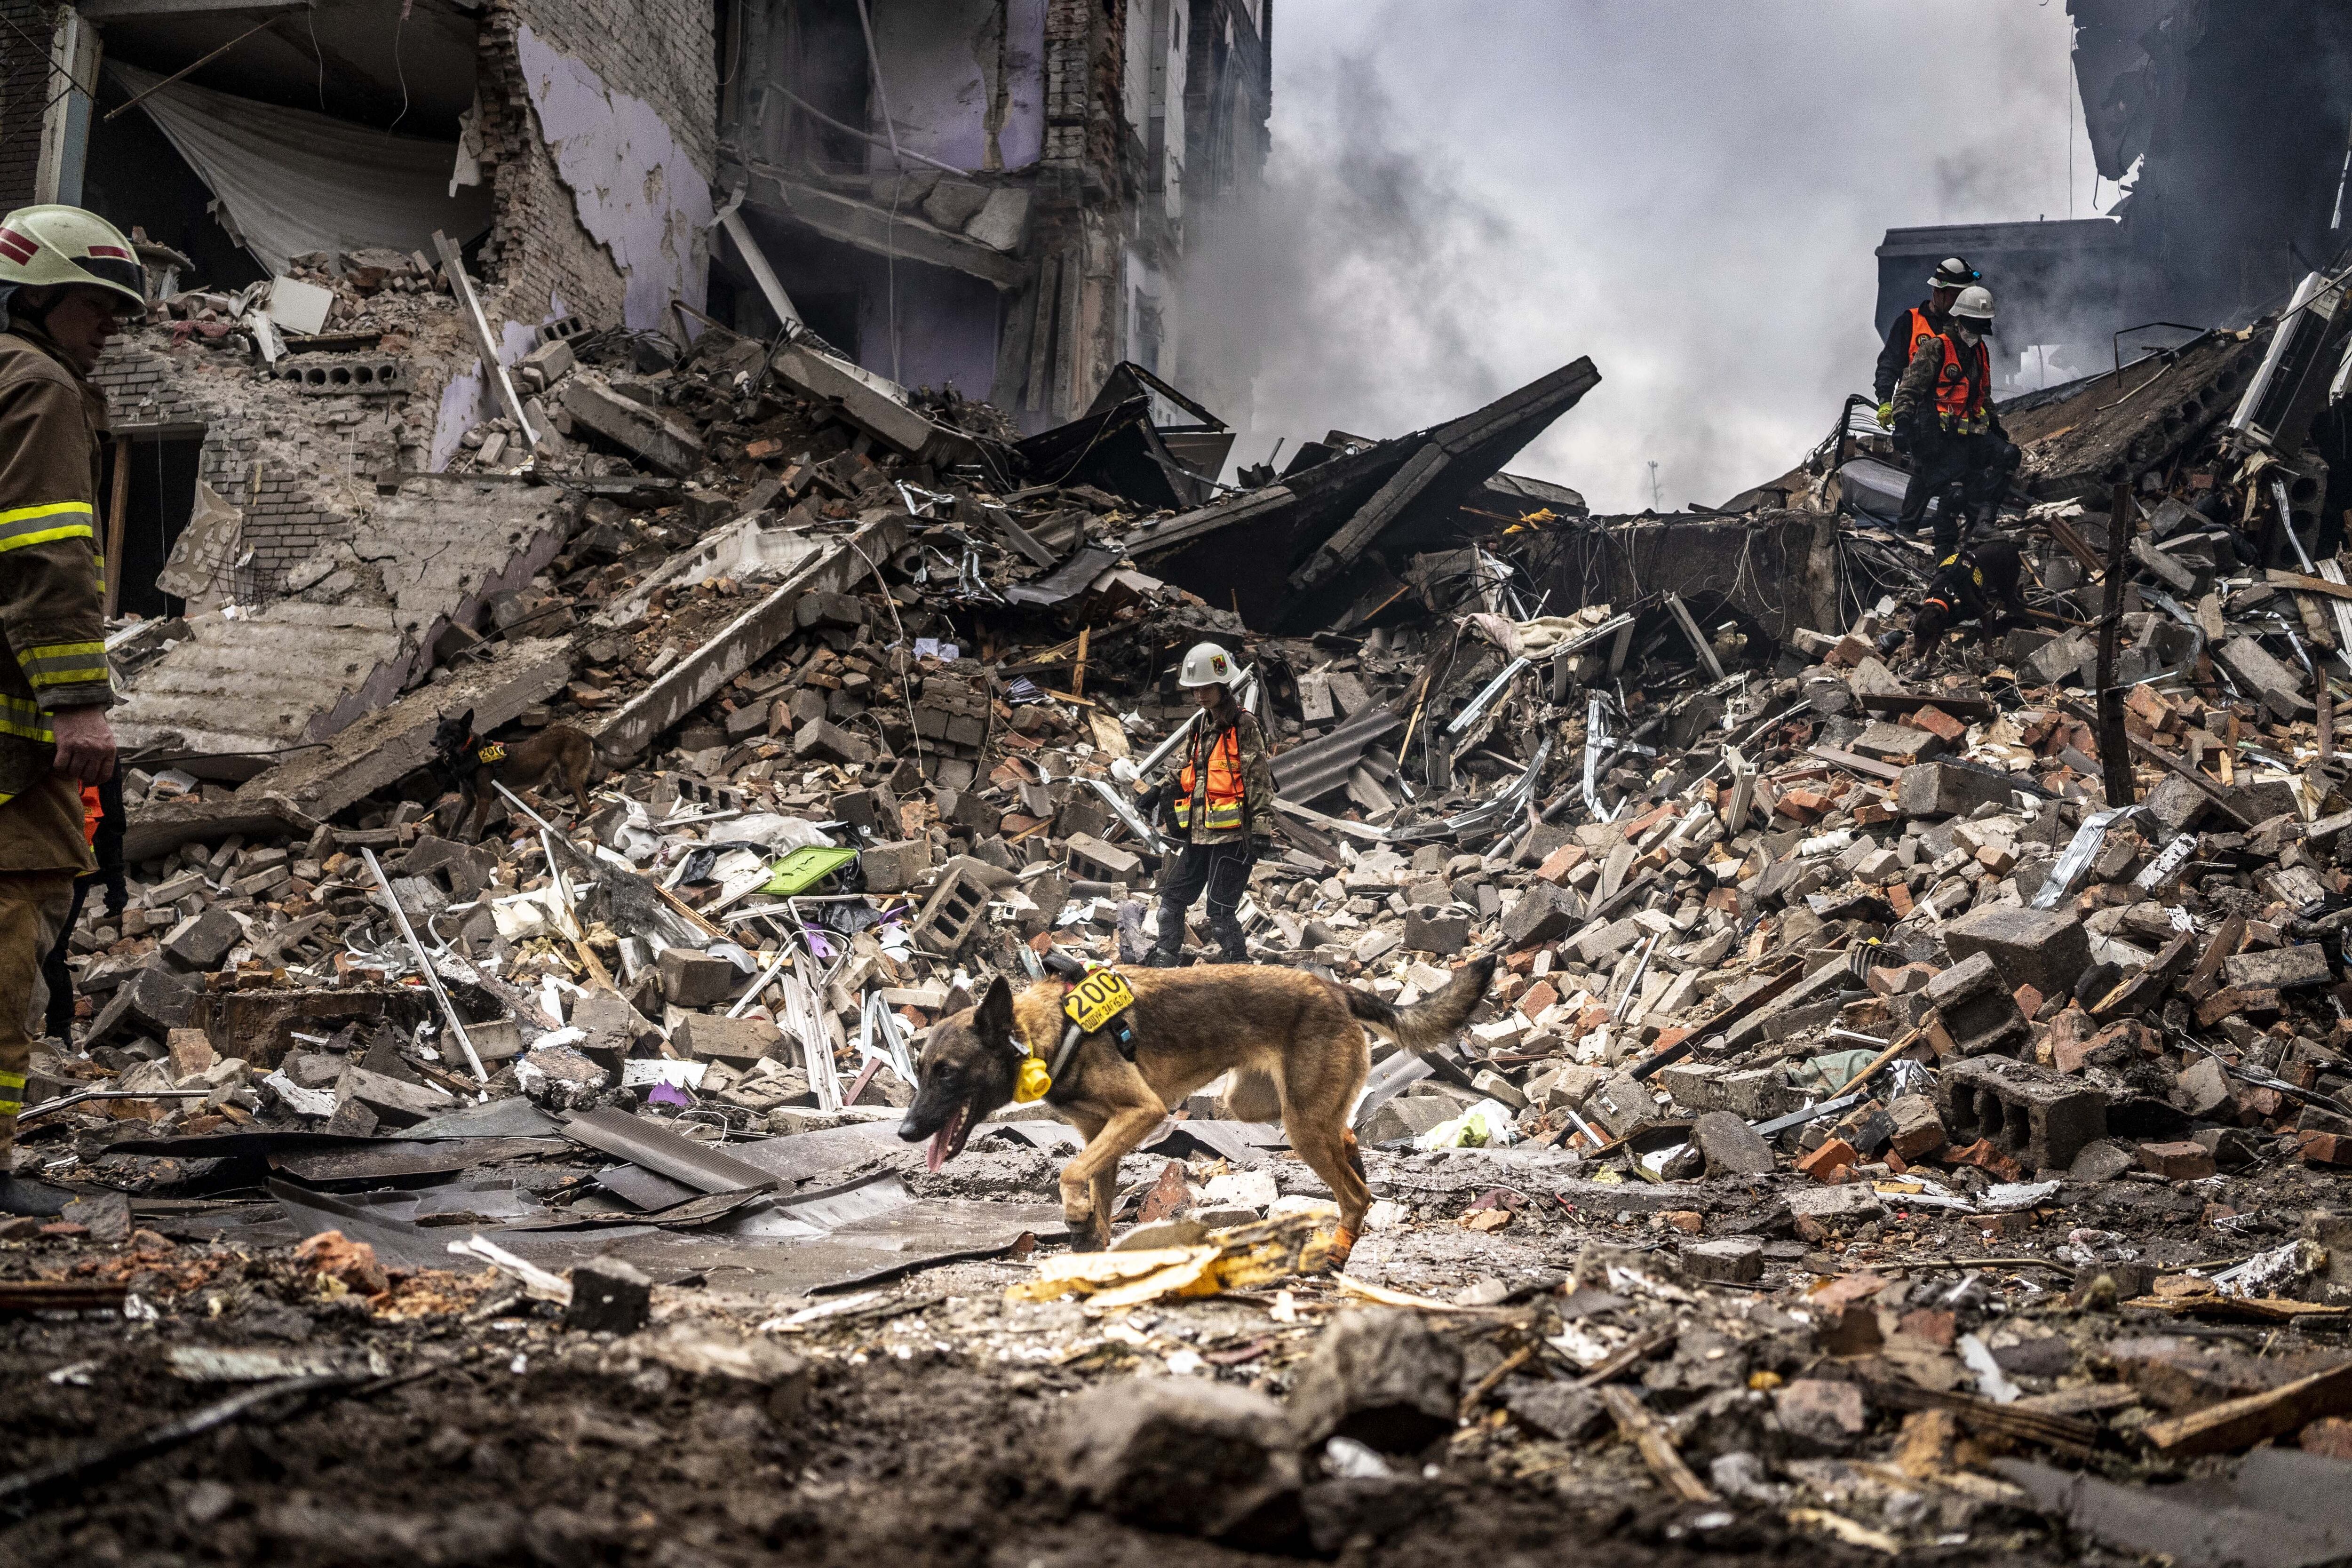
x,y
1916,1067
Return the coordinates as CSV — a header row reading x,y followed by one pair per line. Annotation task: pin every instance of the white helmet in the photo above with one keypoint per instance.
x,y
1952,273
1975,303
1206,664
45,246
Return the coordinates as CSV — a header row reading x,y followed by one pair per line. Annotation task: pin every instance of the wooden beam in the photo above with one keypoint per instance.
x,y
2236,1424
1643,1430
469,306
118,500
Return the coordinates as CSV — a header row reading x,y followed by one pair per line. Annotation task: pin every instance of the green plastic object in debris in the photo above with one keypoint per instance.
x,y
804,868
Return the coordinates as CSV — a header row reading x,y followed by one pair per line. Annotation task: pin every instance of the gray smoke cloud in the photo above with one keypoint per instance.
x,y
1463,195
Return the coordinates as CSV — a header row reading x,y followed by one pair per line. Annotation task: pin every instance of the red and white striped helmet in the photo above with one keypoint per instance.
x,y
47,246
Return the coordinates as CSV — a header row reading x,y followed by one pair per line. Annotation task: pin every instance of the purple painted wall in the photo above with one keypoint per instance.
x,y
941,65
947,329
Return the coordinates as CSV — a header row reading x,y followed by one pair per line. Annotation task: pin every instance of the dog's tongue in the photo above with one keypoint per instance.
x,y
942,1140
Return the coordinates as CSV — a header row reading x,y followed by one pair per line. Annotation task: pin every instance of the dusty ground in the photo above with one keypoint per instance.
x,y
918,1426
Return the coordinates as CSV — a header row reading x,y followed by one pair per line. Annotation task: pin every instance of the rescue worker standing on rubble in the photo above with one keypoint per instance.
x,y
1914,326
1222,801
1944,421
68,279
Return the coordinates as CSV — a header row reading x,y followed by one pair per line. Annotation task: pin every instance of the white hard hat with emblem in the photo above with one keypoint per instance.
x,y
52,244
1206,664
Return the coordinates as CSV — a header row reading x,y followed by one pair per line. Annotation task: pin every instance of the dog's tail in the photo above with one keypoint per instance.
x,y
1434,1019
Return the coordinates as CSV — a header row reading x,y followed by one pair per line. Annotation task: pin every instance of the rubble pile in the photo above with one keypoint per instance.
x,y
1874,1122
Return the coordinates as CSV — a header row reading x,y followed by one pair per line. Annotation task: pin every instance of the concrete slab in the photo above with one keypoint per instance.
x,y
736,647
312,784
359,633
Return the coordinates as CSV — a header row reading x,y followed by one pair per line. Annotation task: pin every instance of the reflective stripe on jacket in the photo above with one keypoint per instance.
x,y
52,630
1964,386
1222,801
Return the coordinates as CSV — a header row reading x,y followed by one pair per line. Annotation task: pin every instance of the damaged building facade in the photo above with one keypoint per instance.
x,y
999,196
1889,1095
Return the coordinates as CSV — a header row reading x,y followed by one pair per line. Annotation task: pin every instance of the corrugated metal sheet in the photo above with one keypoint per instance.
x,y
1315,768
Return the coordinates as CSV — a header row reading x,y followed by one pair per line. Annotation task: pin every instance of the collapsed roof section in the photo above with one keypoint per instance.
x,y
1324,539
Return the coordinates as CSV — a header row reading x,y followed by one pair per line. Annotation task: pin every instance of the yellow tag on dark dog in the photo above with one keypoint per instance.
x,y
492,752
1097,999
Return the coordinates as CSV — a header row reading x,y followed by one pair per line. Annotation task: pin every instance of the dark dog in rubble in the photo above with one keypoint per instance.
x,y
1979,583
520,765
1294,1042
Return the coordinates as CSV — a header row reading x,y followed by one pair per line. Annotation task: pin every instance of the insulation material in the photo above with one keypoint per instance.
x,y
292,182
637,191
205,550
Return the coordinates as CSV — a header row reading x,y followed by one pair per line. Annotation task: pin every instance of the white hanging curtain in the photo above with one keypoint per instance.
x,y
291,180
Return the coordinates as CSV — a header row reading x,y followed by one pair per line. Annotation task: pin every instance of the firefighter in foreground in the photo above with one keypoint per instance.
x,y
68,279
1222,804
1945,422
1921,322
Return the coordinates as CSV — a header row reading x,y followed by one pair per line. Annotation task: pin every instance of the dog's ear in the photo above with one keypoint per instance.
x,y
993,1019
464,722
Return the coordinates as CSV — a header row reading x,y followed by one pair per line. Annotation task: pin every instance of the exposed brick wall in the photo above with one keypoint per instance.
x,y
661,51
289,463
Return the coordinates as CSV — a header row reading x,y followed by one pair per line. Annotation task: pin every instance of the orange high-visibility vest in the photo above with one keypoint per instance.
x,y
1921,330
1224,809
1964,386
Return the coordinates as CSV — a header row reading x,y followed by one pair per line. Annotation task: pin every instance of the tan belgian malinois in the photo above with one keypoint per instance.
x,y
1294,1042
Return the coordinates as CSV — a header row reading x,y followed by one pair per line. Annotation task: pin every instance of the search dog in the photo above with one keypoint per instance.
x,y
1294,1042
520,765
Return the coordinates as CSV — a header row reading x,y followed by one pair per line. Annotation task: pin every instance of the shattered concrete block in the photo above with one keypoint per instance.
x,y
1093,860
954,911
1945,789
2280,688
1759,1094
1543,914
199,945
2046,948
894,866
2202,1088
873,811
1694,1086
1979,1009
2277,968
1822,1413
1183,1455
2056,661
155,1000
1731,1147
192,1052
1623,1105
1432,931
709,1037
1557,1410
609,1295
691,979
1736,1259
828,742
1833,1208
663,441
396,1102
1918,1129
1384,1378
2039,1117
1406,1117
1608,940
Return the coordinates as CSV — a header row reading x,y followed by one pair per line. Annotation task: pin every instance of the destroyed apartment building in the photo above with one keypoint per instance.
x,y
1910,1110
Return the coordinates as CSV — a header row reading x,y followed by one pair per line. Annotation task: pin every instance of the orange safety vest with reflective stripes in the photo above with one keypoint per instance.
x,y
1921,330
1223,807
1963,387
